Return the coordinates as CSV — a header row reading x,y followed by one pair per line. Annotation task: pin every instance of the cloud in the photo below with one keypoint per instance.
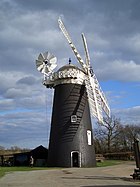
x,y
15,93
6,104
129,115
30,80
24,129
8,79
133,43
120,70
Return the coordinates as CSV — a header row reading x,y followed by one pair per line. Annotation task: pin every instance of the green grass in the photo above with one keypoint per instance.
x,y
4,170
109,163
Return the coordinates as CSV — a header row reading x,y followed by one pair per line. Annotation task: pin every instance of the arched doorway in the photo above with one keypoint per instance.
x,y
75,159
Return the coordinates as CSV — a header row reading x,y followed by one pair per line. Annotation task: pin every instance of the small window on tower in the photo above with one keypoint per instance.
x,y
89,137
73,118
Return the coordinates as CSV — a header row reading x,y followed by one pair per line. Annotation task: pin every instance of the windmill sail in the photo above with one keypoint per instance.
x,y
66,34
104,103
96,97
86,51
100,99
94,102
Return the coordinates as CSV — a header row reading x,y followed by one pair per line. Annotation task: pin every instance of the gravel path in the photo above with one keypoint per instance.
x,y
113,176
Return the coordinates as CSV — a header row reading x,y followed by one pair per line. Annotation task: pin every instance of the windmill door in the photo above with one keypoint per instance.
x,y
75,159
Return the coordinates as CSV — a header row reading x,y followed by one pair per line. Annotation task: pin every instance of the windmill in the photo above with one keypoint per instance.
x,y
77,94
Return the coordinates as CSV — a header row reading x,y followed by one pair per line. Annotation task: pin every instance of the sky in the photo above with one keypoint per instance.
x,y
28,27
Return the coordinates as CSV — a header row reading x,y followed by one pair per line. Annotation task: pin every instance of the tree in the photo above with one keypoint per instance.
x,y
2,148
15,148
131,132
106,133
112,136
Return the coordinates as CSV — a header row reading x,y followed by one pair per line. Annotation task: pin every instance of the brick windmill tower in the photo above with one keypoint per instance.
x,y
77,96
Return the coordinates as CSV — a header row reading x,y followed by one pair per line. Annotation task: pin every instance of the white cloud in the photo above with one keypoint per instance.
x,y
25,129
133,43
129,115
120,70
98,41
6,104
15,93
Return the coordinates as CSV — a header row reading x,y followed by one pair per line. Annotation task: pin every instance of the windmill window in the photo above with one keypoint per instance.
x,y
89,137
73,118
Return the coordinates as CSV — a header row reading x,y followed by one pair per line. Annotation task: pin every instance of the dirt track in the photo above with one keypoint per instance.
x,y
116,176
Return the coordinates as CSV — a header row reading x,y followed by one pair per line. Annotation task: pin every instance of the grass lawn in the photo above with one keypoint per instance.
x,y
4,170
109,163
